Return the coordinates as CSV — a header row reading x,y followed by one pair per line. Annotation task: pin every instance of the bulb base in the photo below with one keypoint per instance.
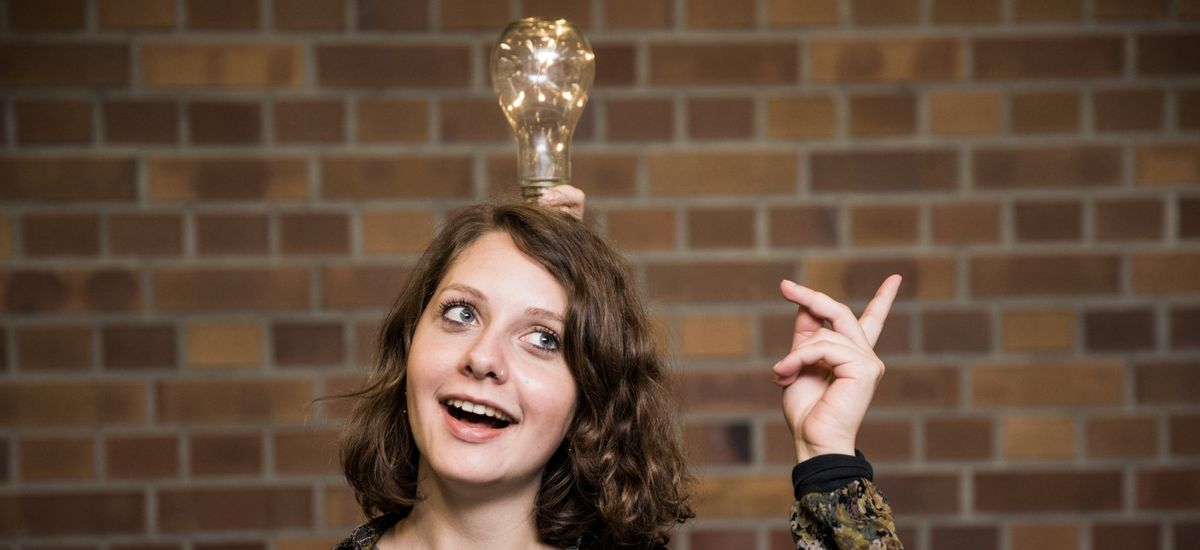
x,y
531,189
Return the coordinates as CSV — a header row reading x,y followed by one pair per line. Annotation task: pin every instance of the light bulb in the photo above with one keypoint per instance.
x,y
542,70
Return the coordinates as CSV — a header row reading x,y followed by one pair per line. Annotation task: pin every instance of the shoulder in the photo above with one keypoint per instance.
x,y
366,535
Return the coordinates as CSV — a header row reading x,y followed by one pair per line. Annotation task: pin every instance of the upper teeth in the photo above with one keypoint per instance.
x,y
478,409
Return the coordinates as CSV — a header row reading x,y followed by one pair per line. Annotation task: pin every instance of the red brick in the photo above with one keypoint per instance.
x,y
142,456
923,493
225,454
1122,536
61,235
1047,10
885,12
1059,491
958,439
345,66
237,289
712,539
1048,221
47,122
717,173
707,14
72,404
1168,163
473,120
1048,167
954,537
721,228
1122,436
64,64
1056,57
58,459
309,121
883,115
225,122
39,291
727,391
307,343
801,117
1173,489
1124,330
641,228
307,452
638,14
884,225
718,444
178,65
700,63
141,122
963,331
1166,54
175,179
710,281
67,179
233,401
1166,272
930,277
915,386
138,346
1045,112
47,15
1185,327
1184,434
803,226
1128,110
231,234
1167,382
259,508
309,15
720,118
1048,384
136,14
620,65
353,287
54,348
961,223
145,235
393,120
314,233
387,15
1038,535
640,119
74,513
395,176
900,59
1129,219
222,14
966,12
907,170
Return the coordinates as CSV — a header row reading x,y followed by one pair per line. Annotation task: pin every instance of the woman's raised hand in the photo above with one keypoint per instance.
x,y
567,198
831,373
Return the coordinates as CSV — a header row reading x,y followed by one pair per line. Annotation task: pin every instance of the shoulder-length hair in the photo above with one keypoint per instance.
x,y
619,479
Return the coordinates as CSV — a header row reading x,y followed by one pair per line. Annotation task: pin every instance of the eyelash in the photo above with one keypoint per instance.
x,y
451,304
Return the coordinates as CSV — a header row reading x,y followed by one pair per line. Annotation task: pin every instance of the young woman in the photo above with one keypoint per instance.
x,y
518,401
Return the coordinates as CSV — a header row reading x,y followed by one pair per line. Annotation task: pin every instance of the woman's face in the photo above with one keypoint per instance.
x,y
490,396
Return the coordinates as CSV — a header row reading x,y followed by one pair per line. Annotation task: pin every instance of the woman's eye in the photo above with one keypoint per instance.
x,y
459,314
543,339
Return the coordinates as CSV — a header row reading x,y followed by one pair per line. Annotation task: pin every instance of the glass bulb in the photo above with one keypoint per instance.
x,y
542,70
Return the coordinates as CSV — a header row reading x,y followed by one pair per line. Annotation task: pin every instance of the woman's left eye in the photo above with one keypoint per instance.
x,y
459,313
543,339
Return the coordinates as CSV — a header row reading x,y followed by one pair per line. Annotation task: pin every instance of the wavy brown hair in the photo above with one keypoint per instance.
x,y
619,479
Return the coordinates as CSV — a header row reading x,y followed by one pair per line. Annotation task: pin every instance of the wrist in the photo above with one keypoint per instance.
x,y
805,452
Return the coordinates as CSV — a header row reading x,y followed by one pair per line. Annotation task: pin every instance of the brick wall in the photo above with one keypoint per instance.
x,y
206,205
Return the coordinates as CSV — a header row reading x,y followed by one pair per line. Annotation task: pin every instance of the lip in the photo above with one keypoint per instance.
x,y
492,404
472,433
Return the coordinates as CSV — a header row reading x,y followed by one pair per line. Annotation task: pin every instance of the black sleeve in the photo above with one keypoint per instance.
x,y
824,473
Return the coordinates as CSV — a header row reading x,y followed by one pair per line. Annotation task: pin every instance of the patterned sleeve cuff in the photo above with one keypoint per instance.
x,y
824,473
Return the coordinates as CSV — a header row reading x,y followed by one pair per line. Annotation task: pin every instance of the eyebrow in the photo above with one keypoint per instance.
x,y
532,311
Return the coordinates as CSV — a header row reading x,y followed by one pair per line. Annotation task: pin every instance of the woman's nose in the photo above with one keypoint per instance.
x,y
485,359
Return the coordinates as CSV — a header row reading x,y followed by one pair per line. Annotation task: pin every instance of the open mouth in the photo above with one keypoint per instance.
x,y
477,414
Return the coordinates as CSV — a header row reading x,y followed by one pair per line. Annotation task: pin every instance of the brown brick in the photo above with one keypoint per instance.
x,y
1048,221
224,344
473,120
47,15
1025,57
1189,217
1129,219
1031,275
36,291
224,15
858,279
896,338
721,228
965,12
710,14
341,509
714,335
1167,382
307,343
393,120
1186,535
395,176
641,228
72,404
1045,112
883,115
884,225
740,496
395,231
958,439
620,66
226,454
1128,110
64,64
1168,489
1048,384
1168,163
1166,54
54,348
309,121
371,287
231,234
712,539
57,459
52,122
1039,330
141,456
314,233
923,493
956,331
233,401
1124,536
1187,110
62,235
1034,536
961,223
307,452
638,14
136,14
140,122
225,122
259,508
803,226
1185,327
6,237
885,12
1058,491
899,59
223,289
720,118
906,170
699,63
227,178
221,65
1028,437
801,117
1121,436
474,14
138,346
1166,272
1184,434
953,537
1047,10
717,173
802,12
392,66
387,15
727,391
710,443
640,119
778,445
710,281
73,513
309,15
67,179
882,440
1124,330
1189,9
964,113
914,386
145,235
